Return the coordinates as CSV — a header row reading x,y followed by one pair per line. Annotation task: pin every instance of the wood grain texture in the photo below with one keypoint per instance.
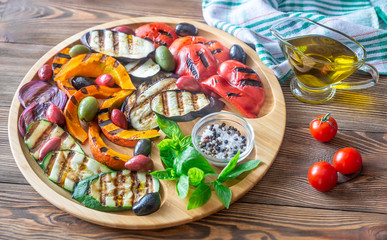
x,y
46,17
281,206
242,221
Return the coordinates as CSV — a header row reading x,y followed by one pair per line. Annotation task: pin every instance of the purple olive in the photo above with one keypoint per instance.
x,y
148,204
237,53
186,29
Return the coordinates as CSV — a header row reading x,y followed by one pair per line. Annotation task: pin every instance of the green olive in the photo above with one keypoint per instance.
x,y
78,49
165,59
88,109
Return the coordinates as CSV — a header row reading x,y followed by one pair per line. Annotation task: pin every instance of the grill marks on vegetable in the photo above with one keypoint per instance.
x,y
203,58
244,70
117,44
60,59
141,115
178,103
41,131
121,189
192,67
65,168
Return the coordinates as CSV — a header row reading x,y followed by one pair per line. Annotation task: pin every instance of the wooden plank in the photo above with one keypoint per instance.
x,y
54,21
286,182
40,220
360,110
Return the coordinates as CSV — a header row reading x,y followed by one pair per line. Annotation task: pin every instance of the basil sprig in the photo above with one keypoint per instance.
x,y
186,165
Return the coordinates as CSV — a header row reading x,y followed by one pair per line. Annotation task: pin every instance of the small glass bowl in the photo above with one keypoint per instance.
x,y
230,119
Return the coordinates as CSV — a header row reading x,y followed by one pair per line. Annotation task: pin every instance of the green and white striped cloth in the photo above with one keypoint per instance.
x,y
250,21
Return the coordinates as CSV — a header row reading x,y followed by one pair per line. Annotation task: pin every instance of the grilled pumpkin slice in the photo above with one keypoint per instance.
x,y
120,45
117,135
102,152
92,65
41,131
60,59
115,191
67,167
71,110
141,115
184,106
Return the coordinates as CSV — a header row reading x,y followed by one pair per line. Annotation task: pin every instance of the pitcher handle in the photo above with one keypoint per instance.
x,y
361,84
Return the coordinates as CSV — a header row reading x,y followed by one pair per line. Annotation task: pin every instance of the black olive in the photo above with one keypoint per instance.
x,y
237,53
143,147
148,204
186,29
80,82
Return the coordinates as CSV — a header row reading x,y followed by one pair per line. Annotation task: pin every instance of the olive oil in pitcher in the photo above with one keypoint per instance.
x,y
320,61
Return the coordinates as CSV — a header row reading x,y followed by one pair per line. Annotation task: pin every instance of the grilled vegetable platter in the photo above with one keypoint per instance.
x,y
101,124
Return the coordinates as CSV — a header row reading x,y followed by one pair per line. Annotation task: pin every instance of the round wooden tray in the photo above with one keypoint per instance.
x,y
269,130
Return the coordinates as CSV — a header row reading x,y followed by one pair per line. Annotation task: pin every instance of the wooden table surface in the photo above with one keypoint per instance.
x,y
281,206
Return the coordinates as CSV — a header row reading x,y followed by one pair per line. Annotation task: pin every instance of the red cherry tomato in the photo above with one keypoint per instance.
x,y
323,128
322,176
347,160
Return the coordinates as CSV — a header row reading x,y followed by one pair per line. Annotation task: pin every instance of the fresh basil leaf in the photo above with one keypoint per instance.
x,y
241,168
190,158
169,127
167,174
186,141
230,166
224,193
182,186
169,143
168,156
196,176
199,197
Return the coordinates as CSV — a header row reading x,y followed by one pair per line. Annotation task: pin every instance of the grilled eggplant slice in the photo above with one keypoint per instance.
x,y
184,106
120,45
142,70
67,167
115,191
145,85
41,131
128,104
141,115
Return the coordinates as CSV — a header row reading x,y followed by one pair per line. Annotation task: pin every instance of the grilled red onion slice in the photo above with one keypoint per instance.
x,y
32,113
40,92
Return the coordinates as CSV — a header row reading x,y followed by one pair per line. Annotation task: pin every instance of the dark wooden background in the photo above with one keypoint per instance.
x,y
281,206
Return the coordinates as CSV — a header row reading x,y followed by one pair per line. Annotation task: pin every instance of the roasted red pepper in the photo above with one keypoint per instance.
x,y
184,41
220,52
244,78
246,104
197,61
158,33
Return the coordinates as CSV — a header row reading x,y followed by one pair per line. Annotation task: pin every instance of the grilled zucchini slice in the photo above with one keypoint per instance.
x,y
184,106
41,131
67,167
141,115
115,191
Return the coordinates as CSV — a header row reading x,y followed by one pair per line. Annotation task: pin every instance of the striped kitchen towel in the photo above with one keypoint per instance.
x,y
250,21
